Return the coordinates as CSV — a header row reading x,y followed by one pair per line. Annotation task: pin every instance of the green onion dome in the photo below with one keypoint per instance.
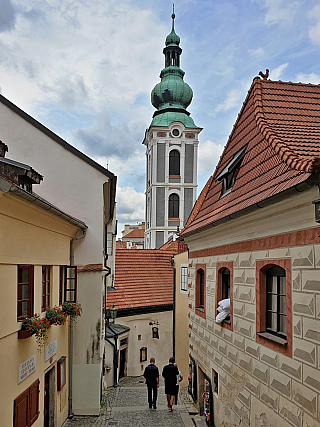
x,y
172,91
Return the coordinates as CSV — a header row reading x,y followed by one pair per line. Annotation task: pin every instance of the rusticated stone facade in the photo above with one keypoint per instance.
x,y
260,382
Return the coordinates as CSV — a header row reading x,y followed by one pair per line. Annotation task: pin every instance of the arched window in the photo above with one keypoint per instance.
x,y
276,318
174,162
173,206
200,274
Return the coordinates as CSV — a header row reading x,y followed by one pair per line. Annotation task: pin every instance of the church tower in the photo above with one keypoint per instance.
x,y
171,151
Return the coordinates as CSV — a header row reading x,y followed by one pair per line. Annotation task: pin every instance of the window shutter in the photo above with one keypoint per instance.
x,y
70,287
21,405
34,401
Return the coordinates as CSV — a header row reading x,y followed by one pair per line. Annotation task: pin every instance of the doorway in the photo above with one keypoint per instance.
x,y
49,399
122,367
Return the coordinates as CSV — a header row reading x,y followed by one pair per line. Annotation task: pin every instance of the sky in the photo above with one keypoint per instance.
x,y
86,68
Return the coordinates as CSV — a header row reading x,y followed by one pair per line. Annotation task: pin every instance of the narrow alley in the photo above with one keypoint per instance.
x,y
127,406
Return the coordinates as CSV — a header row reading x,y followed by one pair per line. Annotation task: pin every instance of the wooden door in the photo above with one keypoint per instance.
x,y
46,400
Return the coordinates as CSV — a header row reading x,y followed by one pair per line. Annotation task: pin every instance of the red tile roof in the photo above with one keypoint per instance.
x,y
143,278
134,234
176,246
121,245
279,124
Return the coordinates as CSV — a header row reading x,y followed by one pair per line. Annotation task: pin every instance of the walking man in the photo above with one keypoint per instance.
x,y
169,374
151,374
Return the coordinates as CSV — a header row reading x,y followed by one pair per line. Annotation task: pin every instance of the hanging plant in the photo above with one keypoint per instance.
x,y
37,327
72,309
56,316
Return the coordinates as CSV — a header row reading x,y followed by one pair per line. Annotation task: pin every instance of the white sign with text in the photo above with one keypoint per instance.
x,y
50,350
26,368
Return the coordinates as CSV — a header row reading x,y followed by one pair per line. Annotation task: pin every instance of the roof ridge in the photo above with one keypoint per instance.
x,y
288,156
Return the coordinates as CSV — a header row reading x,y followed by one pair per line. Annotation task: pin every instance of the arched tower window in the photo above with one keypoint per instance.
x,y
173,206
174,162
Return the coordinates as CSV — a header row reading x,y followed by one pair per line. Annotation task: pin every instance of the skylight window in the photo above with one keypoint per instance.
x,y
229,174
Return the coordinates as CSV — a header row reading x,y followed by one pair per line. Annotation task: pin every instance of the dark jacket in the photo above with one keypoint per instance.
x,y
151,373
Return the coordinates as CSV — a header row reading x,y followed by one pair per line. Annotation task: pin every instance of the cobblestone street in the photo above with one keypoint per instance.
x,y
127,406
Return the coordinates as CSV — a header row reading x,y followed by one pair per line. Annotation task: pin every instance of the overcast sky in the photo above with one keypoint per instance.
x,y
85,69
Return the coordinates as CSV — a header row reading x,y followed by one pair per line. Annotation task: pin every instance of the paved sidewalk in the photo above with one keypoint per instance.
x,y
127,406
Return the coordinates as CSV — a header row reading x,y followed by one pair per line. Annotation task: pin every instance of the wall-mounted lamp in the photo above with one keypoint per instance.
x,y
155,329
112,314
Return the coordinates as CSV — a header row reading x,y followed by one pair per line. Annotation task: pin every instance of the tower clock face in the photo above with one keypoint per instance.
x,y
175,132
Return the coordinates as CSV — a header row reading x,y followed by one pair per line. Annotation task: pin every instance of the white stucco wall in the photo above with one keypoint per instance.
x,y
69,182
160,349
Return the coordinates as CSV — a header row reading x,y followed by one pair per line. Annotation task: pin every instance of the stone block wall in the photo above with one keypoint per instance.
x,y
257,384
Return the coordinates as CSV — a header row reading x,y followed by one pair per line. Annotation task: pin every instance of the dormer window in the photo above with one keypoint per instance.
x,y
229,174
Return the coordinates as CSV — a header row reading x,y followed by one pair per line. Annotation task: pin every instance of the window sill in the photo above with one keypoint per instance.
x,y
200,312
173,219
273,338
174,176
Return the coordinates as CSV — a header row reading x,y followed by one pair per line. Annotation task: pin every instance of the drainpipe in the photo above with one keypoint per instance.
x,y
70,413
174,309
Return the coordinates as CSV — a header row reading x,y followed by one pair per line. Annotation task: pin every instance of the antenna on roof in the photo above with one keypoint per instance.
x,y
264,76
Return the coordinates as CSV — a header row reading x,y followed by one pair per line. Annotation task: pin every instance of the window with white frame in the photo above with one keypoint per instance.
x,y
184,278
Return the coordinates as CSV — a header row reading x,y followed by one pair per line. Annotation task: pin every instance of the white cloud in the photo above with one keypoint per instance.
x,y
7,16
279,10
277,72
209,154
231,101
314,31
52,49
308,78
259,52
130,205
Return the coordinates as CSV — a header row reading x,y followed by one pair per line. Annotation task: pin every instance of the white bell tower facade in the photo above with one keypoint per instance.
x,y
171,151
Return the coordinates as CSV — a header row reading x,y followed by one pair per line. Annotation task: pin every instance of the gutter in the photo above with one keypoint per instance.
x,y
44,204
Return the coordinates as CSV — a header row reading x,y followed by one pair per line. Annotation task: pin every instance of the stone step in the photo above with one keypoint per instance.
x,y
192,409
199,421
187,420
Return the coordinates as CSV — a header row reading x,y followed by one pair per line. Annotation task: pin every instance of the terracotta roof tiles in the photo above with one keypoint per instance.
x,y
134,234
279,124
142,278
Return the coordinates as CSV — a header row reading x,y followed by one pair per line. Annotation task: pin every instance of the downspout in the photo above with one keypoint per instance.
x,y
174,309
70,413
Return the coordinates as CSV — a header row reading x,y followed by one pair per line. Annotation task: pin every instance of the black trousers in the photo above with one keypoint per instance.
x,y
152,395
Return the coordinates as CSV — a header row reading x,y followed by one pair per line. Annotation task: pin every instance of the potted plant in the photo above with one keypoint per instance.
x,y
37,326
56,316
72,309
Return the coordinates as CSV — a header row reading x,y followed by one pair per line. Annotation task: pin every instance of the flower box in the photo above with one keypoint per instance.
x,y
22,334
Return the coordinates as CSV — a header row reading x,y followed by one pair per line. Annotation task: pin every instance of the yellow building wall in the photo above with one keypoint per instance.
x,y
181,321
30,235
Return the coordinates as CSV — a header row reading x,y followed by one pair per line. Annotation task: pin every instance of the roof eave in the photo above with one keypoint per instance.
x,y
257,205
